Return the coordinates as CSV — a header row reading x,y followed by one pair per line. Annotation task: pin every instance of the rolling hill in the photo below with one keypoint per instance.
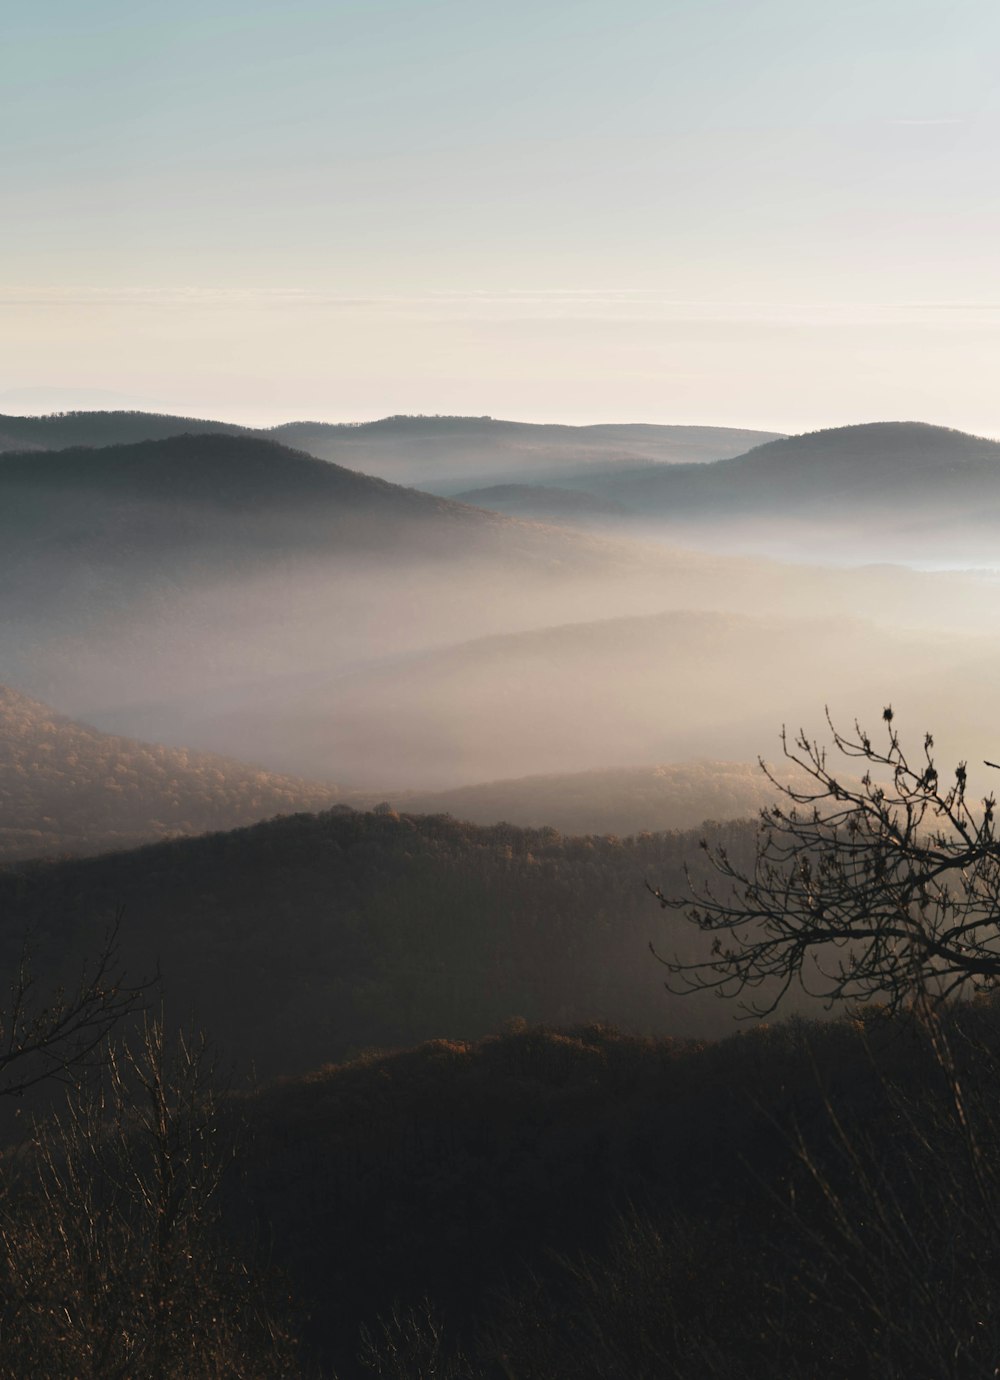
x,y
219,559
428,452
449,454
890,490
620,800
896,465
203,501
295,941
67,789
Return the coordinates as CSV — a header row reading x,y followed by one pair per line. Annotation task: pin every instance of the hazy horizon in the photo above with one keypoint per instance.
x,y
770,215
29,402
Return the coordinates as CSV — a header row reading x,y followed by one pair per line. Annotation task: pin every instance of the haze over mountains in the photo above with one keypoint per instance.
x,y
426,757
67,789
225,593
434,453
879,490
214,559
891,490
661,687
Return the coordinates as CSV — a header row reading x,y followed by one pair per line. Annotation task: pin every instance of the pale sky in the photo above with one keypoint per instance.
x,y
770,213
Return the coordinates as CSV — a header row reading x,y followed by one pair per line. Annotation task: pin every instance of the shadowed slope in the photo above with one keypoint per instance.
x,y
299,939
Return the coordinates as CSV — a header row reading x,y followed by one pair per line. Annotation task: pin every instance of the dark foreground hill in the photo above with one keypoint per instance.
x,y
66,788
300,939
547,1204
581,1205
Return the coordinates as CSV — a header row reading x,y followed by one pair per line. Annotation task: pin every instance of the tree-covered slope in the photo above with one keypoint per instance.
x,y
65,788
799,1193
60,430
618,800
296,940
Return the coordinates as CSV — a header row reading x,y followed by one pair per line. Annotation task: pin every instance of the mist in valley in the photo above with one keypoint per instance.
x,y
499,570
229,595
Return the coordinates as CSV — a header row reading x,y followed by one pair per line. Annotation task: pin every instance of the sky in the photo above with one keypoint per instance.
x,y
765,213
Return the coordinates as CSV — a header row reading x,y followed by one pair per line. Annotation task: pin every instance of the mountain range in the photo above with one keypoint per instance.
x,y
434,453
899,490
67,789
220,559
225,593
903,490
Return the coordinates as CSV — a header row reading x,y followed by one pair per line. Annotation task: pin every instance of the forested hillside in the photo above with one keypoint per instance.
x,y
61,430
621,800
583,1205
65,788
303,938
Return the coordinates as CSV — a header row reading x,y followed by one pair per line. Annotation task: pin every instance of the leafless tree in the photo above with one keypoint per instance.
x,y
54,1034
113,1261
885,888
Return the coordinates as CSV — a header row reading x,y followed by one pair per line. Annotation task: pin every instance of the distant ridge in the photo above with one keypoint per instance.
x,y
901,491
226,560
437,453
887,463
618,800
222,499
888,447
60,430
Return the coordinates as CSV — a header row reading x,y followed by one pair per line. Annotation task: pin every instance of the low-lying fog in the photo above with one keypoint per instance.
x,y
416,676
228,595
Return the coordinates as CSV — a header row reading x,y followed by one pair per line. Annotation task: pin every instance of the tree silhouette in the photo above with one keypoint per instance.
x,y
885,888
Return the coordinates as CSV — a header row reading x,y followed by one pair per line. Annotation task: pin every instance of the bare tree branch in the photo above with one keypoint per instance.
x,y
880,889
56,1035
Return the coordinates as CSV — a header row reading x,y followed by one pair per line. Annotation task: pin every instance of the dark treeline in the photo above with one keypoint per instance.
x,y
298,940
799,1200
806,1199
